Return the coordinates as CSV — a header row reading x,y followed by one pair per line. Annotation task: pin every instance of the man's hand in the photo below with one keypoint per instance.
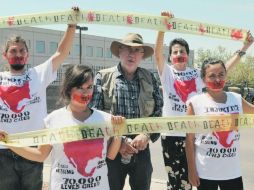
x,y
127,149
248,41
140,142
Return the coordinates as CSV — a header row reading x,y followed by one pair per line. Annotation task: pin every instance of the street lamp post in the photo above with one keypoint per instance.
x,y
80,42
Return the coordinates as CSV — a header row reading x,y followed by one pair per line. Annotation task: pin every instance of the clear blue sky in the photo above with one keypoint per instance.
x,y
236,13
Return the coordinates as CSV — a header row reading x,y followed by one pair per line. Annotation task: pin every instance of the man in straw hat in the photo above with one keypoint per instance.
x,y
133,92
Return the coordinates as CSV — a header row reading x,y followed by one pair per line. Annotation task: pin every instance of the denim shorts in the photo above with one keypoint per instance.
x,y
18,173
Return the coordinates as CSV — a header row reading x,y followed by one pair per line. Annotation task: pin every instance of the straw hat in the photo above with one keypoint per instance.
x,y
132,40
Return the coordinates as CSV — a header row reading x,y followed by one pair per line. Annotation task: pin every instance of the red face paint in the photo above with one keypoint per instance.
x,y
17,60
82,99
182,59
215,85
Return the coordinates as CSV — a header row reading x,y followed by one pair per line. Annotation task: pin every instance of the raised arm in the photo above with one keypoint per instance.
x,y
235,59
158,50
248,108
65,45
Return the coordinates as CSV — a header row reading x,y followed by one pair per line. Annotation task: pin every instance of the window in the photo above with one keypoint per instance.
x,y
76,50
40,46
108,53
52,47
89,51
99,52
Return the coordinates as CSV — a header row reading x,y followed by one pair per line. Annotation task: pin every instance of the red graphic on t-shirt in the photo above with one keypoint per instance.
x,y
81,152
13,95
184,88
224,138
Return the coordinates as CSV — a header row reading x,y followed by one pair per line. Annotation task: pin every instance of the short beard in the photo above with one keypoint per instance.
x,y
17,66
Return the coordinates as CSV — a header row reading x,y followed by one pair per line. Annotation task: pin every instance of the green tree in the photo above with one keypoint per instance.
x,y
242,72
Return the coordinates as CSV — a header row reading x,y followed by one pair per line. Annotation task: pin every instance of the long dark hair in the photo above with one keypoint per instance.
x,y
75,76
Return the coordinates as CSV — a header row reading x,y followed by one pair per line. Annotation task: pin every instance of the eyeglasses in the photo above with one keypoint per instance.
x,y
132,49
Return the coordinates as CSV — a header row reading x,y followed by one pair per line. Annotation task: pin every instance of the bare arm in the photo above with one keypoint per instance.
x,y
190,153
65,44
114,146
115,142
35,154
235,59
247,107
64,47
158,52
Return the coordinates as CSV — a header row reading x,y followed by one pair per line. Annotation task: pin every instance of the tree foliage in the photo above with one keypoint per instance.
x,y
242,72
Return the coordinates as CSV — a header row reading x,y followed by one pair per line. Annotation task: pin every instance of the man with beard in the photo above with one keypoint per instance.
x,y
23,106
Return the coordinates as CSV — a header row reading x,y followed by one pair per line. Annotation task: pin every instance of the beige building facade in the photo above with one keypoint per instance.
x,y
42,43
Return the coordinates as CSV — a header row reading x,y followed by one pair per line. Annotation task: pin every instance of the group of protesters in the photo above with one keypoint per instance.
x,y
121,92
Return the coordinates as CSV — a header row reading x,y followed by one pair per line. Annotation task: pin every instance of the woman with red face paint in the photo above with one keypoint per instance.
x,y
179,83
80,164
213,158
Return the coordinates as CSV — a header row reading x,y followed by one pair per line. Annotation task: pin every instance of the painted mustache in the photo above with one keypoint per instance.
x,y
181,59
215,85
80,98
17,60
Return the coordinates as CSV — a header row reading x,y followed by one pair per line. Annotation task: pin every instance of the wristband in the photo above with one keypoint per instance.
x,y
240,53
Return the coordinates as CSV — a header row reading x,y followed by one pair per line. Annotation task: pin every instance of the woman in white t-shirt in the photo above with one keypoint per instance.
x,y
213,158
80,164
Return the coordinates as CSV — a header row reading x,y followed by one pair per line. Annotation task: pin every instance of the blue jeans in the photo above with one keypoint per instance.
x,y
139,170
17,173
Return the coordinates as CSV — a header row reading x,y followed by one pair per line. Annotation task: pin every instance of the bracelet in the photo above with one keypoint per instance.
x,y
240,53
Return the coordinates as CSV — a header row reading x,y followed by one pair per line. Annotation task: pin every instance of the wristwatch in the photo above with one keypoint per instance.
x,y
240,53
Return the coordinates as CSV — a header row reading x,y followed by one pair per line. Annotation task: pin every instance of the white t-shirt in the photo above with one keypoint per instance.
x,y
178,87
217,153
23,98
80,164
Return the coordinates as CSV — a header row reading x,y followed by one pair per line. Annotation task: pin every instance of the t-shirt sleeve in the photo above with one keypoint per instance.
x,y
46,121
45,72
165,72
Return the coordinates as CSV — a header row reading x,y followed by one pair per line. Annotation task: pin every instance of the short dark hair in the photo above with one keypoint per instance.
x,y
210,61
75,76
14,39
180,41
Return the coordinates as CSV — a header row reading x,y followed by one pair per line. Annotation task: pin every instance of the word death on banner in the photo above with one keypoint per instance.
x,y
137,20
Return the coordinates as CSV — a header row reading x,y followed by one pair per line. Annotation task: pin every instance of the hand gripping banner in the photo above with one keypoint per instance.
x,y
137,20
188,124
